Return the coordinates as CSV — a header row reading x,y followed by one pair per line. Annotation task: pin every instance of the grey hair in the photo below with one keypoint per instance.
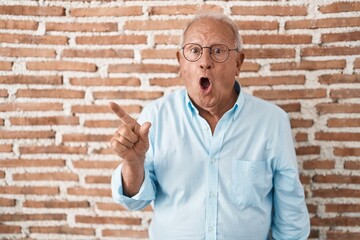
x,y
218,17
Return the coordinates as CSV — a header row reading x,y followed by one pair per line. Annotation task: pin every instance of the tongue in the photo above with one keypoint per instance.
x,y
205,83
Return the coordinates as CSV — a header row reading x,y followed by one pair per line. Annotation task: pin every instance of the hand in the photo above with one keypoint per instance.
x,y
130,141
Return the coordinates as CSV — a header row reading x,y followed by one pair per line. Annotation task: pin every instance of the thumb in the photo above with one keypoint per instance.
x,y
144,132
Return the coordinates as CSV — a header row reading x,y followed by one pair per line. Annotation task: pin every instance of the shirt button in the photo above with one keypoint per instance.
x,y
213,160
210,229
212,194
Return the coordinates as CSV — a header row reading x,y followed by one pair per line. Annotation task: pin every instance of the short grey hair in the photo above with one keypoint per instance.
x,y
217,16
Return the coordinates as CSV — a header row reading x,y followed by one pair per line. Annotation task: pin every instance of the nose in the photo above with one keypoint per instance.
x,y
205,60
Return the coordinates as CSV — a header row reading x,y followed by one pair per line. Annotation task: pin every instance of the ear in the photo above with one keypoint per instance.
x,y
178,56
239,62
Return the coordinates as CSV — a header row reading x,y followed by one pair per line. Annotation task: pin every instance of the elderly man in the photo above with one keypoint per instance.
x,y
215,162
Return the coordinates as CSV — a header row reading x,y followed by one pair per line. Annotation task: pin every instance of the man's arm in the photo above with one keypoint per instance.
x,y
291,218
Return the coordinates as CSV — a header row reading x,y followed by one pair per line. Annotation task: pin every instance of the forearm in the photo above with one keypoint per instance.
x,y
132,178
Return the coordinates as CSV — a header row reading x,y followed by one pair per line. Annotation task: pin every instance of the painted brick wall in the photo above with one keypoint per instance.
x,y
61,62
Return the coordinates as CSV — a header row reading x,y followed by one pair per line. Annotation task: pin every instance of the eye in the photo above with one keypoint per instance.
x,y
195,49
217,50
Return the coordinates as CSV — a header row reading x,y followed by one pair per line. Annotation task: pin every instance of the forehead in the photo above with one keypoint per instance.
x,y
209,31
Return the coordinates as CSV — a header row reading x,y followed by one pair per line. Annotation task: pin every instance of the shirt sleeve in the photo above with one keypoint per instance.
x,y
291,218
139,201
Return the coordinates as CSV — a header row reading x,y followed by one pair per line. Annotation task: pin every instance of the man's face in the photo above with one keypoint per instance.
x,y
209,83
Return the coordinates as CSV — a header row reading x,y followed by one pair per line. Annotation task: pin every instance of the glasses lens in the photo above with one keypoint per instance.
x,y
219,52
192,52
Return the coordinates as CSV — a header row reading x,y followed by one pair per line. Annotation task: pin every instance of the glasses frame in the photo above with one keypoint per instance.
x,y
210,48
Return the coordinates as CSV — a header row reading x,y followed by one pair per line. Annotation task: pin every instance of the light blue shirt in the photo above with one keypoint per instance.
x,y
237,183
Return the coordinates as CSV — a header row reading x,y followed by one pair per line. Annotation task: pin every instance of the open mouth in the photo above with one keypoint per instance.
x,y
205,83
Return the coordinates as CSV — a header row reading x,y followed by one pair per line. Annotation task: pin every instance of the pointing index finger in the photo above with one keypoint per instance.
x,y
124,117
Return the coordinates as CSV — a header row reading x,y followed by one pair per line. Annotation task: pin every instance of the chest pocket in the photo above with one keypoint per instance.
x,y
251,182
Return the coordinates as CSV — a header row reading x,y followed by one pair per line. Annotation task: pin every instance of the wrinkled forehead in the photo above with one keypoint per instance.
x,y
210,30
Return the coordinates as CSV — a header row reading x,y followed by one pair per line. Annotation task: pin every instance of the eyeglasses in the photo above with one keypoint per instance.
x,y
218,52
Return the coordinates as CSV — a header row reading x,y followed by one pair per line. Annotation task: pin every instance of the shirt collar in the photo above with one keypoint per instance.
x,y
235,110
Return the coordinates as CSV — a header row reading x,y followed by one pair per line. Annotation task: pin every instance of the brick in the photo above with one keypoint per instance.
x,y
27,52
324,108
9,134
336,193
3,93
167,39
62,66
98,179
6,147
46,176
32,10
105,151
2,174
314,234
301,137
104,108
166,82
56,204
301,123
110,206
86,137
19,25
142,95
357,63
344,93
28,79
50,93
5,66
309,65
107,220
129,81
112,40
329,51
94,192
308,150
276,39
105,53
33,106
335,235
158,53
183,9
53,149
44,121
147,25
32,217
339,78
269,10
250,67
318,164
291,107
102,123
343,122
332,178
125,233
342,151
63,230
269,53
7,202
10,229
290,94
81,27
32,39
36,163
86,164
102,11
340,7
335,221
27,190
272,80
257,25
354,165
142,68
342,208
340,37
337,136
323,23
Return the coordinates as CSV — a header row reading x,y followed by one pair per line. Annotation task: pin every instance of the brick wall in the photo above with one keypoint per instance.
x,y
61,62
